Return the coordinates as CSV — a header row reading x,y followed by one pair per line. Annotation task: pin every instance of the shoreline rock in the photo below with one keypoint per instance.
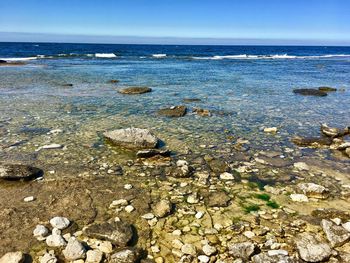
x,y
135,90
132,138
18,172
176,111
310,92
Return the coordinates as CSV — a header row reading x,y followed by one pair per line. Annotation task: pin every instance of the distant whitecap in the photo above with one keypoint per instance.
x,y
159,55
105,55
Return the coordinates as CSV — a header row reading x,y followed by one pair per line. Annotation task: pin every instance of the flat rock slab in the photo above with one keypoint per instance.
x,y
218,199
18,172
148,153
310,92
177,111
135,90
311,141
188,100
132,138
119,233
312,248
327,89
337,235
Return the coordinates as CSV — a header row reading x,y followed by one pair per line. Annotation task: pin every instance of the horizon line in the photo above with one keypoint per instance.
x,y
23,37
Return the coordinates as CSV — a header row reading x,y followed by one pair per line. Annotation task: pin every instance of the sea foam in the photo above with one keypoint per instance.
x,y
18,59
105,55
276,56
159,55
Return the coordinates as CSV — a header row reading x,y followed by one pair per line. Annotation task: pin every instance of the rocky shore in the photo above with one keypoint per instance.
x,y
225,205
220,202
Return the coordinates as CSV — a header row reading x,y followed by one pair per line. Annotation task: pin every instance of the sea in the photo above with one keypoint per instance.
x,y
245,89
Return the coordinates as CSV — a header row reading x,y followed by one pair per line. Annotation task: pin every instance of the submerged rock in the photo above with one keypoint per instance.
x,y
132,138
135,90
337,235
187,100
312,248
334,132
148,153
202,112
310,92
12,257
125,256
314,190
113,81
242,250
162,208
218,199
327,89
18,171
119,233
312,141
176,111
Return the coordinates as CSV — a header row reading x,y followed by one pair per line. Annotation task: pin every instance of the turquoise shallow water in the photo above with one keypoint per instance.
x,y
246,88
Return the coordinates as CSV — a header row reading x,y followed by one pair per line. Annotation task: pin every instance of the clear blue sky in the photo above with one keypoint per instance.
x,y
315,20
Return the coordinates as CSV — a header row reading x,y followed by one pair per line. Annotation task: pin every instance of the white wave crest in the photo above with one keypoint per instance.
x,y
277,56
105,55
18,59
159,55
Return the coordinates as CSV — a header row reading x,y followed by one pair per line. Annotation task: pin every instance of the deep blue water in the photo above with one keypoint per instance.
x,y
246,87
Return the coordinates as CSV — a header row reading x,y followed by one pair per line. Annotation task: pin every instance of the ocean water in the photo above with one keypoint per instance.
x,y
246,88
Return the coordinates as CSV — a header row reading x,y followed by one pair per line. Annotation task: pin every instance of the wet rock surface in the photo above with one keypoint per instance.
x,y
18,171
119,233
312,249
310,92
135,90
176,111
133,138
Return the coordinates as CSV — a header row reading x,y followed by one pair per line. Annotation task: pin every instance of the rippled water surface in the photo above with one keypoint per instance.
x,y
246,89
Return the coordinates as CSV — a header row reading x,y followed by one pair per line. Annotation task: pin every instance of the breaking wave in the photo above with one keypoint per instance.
x,y
105,55
159,55
277,56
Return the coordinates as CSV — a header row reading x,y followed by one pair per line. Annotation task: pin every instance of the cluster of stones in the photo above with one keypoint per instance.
x,y
99,242
332,138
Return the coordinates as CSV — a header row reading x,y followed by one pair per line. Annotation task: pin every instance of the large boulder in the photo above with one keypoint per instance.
x,y
118,233
337,235
312,248
135,90
3,61
133,138
176,111
310,92
19,171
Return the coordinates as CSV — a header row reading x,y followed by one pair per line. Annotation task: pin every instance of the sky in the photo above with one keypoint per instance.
x,y
167,21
